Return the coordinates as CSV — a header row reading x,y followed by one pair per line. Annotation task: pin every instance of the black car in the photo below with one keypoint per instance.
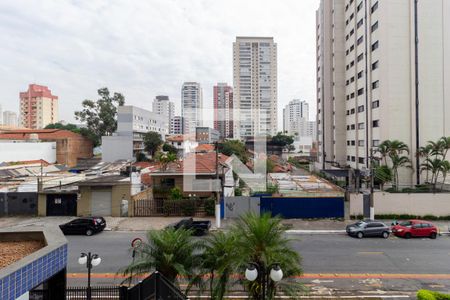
x,y
368,228
87,226
198,227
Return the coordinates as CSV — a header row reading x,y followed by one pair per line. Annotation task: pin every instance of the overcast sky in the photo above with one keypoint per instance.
x,y
148,48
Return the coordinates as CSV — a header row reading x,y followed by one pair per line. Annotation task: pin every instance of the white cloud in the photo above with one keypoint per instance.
x,y
146,48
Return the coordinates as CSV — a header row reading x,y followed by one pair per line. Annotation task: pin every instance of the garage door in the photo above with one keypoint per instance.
x,y
101,203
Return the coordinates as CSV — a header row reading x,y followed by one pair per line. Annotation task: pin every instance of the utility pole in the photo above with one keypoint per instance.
x,y
372,181
217,208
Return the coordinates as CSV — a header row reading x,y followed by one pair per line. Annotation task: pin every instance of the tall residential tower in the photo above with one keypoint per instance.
x,y
223,110
255,86
38,107
191,106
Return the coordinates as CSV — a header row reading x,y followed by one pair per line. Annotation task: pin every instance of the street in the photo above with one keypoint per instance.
x,y
332,264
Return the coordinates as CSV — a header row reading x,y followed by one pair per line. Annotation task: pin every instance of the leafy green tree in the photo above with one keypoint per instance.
x,y
166,158
235,147
169,148
100,116
171,252
262,240
282,140
74,128
152,142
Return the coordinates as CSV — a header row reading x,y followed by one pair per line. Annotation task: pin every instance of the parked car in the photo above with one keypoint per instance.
x,y
86,225
368,228
415,228
198,227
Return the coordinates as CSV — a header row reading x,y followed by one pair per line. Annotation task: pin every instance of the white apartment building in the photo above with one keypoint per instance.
x,y
383,72
255,86
132,124
191,106
10,118
295,117
163,106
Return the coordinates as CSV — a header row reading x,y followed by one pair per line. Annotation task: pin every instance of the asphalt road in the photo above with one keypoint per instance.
x,y
393,264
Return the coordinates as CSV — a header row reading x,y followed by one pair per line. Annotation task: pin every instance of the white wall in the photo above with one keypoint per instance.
x,y
420,204
117,147
20,151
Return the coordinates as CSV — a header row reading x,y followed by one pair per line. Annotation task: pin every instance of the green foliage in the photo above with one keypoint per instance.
x,y
281,140
152,142
382,175
393,149
210,206
141,157
169,148
431,295
169,251
176,194
238,192
100,116
234,147
166,158
434,161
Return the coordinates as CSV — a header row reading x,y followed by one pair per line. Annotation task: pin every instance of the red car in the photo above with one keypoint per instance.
x,y
415,228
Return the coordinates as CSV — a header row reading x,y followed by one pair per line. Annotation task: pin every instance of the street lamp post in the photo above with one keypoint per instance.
x,y
90,260
255,271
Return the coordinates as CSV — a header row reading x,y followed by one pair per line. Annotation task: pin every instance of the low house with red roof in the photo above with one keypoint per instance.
x,y
70,146
195,176
183,143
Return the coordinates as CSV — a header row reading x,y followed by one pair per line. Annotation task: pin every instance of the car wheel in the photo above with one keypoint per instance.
x,y
407,235
89,232
433,235
385,234
360,235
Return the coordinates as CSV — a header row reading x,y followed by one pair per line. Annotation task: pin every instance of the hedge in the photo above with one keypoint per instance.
x,y
430,295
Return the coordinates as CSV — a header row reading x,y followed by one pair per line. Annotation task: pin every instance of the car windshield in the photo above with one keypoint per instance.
x,y
360,224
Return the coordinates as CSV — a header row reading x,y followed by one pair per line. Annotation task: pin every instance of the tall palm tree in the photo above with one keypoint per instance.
x,y
425,152
262,240
220,260
383,149
445,169
398,162
170,252
397,147
435,165
436,148
445,143
166,158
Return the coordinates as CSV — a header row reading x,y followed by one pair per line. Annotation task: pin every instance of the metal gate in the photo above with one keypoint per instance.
x,y
304,208
101,203
61,204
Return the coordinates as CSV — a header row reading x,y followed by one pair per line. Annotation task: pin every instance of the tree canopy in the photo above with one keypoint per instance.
x,y
74,128
152,142
100,116
282,140
234,147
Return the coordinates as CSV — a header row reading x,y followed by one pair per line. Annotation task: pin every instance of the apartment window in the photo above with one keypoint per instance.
x,y
360,40
376,104
352,32
353,158
353,143
375,84
360,125
346,37
375,143
375,123
361,160
348,157
352,16
374,26
352,79
352,127
347,52
361,143
374,7
348,97
360,23
352,111
375,65
348,112
360,5
352,95
348,128
346,7
360,74
375,46
361,108
360,91
360,57
352,63
352,47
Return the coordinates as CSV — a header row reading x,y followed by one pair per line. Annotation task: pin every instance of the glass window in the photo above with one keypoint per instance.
x,y
375,84
374,7
374,26
375,65
375,46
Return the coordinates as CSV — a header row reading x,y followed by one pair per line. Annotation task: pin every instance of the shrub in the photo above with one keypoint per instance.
x,y
188,207
210,206
237,192
431,295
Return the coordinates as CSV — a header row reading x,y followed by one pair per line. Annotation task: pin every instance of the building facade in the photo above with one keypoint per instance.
x,y
132,124
371,57
295,117
255,86
176,125
10,118
38,107
223,110
163,106
191,106
206,135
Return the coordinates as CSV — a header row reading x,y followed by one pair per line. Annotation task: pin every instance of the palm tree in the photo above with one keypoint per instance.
x,y
170,252
382,175
435,165
166,158
220,260
383,149
445,168
262,240
445,144
425,152
397,147
398,162
436,148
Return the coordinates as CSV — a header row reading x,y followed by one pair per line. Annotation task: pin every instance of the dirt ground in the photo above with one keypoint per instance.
x,y
13,251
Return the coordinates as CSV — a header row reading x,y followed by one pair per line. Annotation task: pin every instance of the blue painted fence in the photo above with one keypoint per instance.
x,y
298,208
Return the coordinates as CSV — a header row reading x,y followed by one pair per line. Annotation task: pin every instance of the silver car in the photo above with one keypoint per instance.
x,y
368,228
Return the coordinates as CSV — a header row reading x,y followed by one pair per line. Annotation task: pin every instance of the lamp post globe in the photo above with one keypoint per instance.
x,y
276,274
82,260
251,273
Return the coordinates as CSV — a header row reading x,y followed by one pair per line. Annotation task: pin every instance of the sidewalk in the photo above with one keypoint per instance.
x,y
155,223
